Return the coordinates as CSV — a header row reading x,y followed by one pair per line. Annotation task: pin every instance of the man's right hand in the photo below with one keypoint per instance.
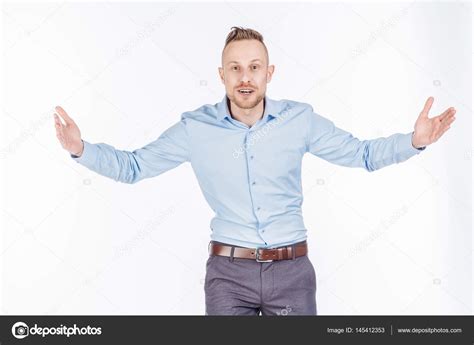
x,y
69,134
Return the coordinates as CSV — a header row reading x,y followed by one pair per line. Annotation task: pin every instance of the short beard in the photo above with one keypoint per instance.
x,y
246,105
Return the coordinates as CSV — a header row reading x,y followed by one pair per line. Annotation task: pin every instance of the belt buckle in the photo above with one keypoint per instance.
x,y
257,258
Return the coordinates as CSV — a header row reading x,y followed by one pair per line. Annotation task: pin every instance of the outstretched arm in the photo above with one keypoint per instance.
x,y
163,154
338,146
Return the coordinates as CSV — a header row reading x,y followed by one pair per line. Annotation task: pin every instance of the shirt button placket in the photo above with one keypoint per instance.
x,y
250,158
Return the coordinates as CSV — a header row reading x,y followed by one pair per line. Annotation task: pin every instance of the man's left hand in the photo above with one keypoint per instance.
x,y
427,130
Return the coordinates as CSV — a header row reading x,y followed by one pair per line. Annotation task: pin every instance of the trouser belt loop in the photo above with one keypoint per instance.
x,y
231,258
293,252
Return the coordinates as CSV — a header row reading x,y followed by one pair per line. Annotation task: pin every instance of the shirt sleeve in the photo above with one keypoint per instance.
x,y
165,153
338,146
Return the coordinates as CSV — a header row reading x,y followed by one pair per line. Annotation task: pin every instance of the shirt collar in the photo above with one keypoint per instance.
x,y
271,109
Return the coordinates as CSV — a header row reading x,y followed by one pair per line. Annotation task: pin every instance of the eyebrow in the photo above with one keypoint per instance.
x,y
238,62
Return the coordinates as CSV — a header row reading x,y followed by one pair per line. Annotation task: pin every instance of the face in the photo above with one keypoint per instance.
x,y
245,66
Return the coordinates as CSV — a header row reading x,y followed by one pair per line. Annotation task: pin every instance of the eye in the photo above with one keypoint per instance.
x,y
255,66
234,68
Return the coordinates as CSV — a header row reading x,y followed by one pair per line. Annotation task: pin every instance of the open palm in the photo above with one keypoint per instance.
x,y
68,134
428,130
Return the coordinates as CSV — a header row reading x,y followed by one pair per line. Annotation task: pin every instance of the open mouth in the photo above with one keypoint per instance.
x,y
245,91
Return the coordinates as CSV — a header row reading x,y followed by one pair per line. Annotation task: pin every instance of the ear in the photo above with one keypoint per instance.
x,y
221,74
270,70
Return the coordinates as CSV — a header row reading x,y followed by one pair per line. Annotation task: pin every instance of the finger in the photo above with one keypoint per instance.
x,y
64,115
445,114
427,107
59,132
442,133
450,120
444,126
450,112
58,126
444,120
57,121
60,137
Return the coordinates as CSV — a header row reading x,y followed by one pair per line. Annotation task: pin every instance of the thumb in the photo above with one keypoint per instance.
x,y
64,115
427,107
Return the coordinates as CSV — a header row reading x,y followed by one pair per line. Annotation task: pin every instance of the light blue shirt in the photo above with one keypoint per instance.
x,y
251,177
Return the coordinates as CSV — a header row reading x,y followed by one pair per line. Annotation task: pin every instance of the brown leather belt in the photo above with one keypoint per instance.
x,y
259,254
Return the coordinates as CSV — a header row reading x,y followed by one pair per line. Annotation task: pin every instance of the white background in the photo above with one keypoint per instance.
x,y
394,241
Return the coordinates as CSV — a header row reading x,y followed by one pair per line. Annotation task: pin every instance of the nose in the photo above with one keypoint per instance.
x,y
245,78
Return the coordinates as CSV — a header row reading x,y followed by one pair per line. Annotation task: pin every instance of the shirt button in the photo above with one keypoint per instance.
x,y
253,183
263,231
258,208
251,157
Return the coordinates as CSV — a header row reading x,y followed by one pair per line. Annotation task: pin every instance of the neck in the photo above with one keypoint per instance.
x,y
247,116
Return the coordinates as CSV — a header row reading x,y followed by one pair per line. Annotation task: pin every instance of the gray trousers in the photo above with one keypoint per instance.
x,y
235,286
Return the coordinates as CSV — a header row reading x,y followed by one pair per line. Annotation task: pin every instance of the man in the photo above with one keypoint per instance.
x,y
246,152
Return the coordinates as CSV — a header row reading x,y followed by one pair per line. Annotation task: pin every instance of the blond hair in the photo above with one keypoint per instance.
x,y
238,33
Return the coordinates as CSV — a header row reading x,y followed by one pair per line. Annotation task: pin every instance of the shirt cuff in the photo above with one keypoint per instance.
x,y
407,145
89,153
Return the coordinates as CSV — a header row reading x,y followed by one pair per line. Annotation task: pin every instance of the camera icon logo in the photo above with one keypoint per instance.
x,y
20,330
